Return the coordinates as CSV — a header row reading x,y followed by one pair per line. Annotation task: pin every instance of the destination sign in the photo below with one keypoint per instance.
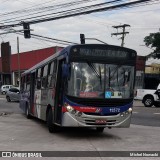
x,y
103,53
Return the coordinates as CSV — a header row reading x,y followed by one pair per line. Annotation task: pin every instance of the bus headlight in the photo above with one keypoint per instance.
x,y
126,112
70,109
130,110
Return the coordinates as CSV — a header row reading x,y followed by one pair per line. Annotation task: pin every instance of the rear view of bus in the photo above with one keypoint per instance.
x,y
98,90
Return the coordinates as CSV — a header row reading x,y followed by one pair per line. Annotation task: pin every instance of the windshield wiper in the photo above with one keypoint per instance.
x,y
93,69
98,74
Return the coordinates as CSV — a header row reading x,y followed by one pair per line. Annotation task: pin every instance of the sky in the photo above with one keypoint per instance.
x,y
143,20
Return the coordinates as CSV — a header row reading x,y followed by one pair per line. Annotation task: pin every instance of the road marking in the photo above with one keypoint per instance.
x,y
156,113
135,112
2,98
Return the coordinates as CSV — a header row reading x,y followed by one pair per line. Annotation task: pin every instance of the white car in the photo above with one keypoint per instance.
x,y
13,94
148,97
5,88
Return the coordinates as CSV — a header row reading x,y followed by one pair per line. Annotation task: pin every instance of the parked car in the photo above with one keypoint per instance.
x,y
148,97
13,94
5,88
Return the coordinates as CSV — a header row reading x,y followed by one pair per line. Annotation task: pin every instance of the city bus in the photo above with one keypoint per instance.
x,y
85,85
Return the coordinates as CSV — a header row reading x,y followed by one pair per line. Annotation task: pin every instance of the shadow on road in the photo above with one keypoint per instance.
x,y
76,132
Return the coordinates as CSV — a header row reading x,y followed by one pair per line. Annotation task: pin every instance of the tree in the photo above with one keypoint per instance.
x,y
153,41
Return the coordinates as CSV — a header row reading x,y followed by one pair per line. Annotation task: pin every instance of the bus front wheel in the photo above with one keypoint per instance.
x,y
27,112
51,127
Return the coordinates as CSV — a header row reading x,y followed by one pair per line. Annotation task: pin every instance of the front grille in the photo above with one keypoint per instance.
x,y
92,122
99,102
99,114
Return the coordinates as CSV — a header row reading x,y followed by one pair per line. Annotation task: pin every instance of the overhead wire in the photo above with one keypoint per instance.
x,y
24,9
62,12
71,14
88,11
33,8
79,11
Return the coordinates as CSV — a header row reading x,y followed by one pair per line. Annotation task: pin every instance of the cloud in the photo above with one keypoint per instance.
x,y
143,20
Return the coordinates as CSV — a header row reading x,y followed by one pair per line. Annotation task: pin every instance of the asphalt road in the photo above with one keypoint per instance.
x,y
145,116
9,107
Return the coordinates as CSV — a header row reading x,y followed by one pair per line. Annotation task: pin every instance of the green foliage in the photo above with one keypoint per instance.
x,y
153,41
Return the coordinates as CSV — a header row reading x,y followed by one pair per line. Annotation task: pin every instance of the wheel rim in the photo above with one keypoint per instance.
x,y
148,101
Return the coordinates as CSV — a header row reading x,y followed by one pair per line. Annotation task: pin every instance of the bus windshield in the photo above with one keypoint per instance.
x,y
96,80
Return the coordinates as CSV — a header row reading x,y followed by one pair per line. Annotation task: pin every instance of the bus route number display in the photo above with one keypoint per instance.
x,y
103,53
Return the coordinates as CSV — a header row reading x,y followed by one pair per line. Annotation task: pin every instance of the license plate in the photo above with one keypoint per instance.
x,y
101,121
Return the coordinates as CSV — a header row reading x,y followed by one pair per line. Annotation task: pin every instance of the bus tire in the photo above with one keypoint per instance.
x,y
148,101
100,129
8,99
52,128
27,112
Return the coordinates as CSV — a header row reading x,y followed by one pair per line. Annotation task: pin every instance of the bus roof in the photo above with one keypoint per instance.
x,y
57,54
63,52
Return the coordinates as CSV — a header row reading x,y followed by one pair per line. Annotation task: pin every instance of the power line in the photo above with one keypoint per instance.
x,y
62,12
24,9
43,8
72,14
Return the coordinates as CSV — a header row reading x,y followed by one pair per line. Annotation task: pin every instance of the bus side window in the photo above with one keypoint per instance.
x,y
39,73
51,68
44,77
50,74
38,79
38,83
28,87
28,81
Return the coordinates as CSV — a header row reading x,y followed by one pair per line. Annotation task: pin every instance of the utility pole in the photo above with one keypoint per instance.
x,y
19,73
123,33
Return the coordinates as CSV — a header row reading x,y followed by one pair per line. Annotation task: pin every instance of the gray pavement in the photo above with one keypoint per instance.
x,y
20,134
138,103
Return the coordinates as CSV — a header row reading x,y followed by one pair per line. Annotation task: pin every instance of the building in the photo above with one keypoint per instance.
x,y
11,64
154,68
152,76
140,72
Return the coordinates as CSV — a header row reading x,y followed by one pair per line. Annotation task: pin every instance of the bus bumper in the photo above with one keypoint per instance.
x,y
121,120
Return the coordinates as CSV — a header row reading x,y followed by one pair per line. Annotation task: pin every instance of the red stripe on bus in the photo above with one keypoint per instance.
x,y
85,109
64,109
81,109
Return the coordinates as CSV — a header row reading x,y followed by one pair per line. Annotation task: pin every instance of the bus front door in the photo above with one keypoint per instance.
x,y
59,94
32,88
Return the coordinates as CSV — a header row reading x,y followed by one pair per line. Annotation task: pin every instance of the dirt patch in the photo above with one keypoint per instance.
x,y
5,113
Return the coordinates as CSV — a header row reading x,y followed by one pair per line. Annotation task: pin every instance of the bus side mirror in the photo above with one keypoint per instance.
x,y
65,71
